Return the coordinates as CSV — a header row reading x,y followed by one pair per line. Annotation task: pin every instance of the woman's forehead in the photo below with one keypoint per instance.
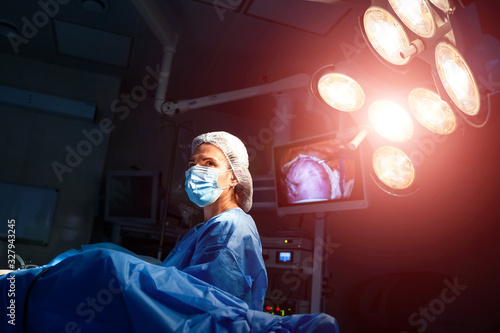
x,y
208,150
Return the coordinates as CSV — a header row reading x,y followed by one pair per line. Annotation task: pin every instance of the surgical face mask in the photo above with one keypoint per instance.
x,y
201,185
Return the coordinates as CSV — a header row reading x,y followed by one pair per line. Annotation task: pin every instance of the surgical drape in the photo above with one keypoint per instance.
x,y
103,290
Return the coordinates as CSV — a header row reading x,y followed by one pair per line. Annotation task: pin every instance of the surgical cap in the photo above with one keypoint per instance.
x,y
237,156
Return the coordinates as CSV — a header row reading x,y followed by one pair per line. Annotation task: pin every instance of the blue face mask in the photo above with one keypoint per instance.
x,y
201,185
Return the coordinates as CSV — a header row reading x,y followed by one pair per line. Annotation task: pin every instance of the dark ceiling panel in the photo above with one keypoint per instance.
x,y
92,44
226,4
313,17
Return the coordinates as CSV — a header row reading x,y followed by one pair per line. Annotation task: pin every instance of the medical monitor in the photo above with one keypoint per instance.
x,y
318,174
132,197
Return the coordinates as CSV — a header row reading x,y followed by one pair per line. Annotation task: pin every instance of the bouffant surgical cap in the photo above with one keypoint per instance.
x,y
237,156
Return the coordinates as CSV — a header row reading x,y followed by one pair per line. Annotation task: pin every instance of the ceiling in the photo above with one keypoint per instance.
x,y
223,44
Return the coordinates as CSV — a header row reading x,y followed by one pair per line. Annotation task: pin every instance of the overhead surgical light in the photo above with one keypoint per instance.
x,y
444,5
457,79
341,92
390,121
416,15
386,35
393,167
432,112
426,33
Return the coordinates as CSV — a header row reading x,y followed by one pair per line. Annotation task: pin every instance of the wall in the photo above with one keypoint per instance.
x,y
31,141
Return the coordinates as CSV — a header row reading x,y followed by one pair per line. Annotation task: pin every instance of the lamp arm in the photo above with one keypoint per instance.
x,y
289,83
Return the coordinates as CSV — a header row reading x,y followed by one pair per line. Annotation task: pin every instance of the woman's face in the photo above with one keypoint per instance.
x,y
208,155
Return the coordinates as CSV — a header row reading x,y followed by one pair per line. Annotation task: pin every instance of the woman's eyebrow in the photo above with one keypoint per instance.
x,y
211,159
204,159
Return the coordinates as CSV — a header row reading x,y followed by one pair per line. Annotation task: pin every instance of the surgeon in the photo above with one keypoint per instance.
x,y
224,250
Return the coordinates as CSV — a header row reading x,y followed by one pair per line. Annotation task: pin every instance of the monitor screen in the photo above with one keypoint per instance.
x,y
318,174
132,197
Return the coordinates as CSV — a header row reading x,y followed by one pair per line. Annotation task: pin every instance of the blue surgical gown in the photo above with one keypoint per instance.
x,y
225,252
